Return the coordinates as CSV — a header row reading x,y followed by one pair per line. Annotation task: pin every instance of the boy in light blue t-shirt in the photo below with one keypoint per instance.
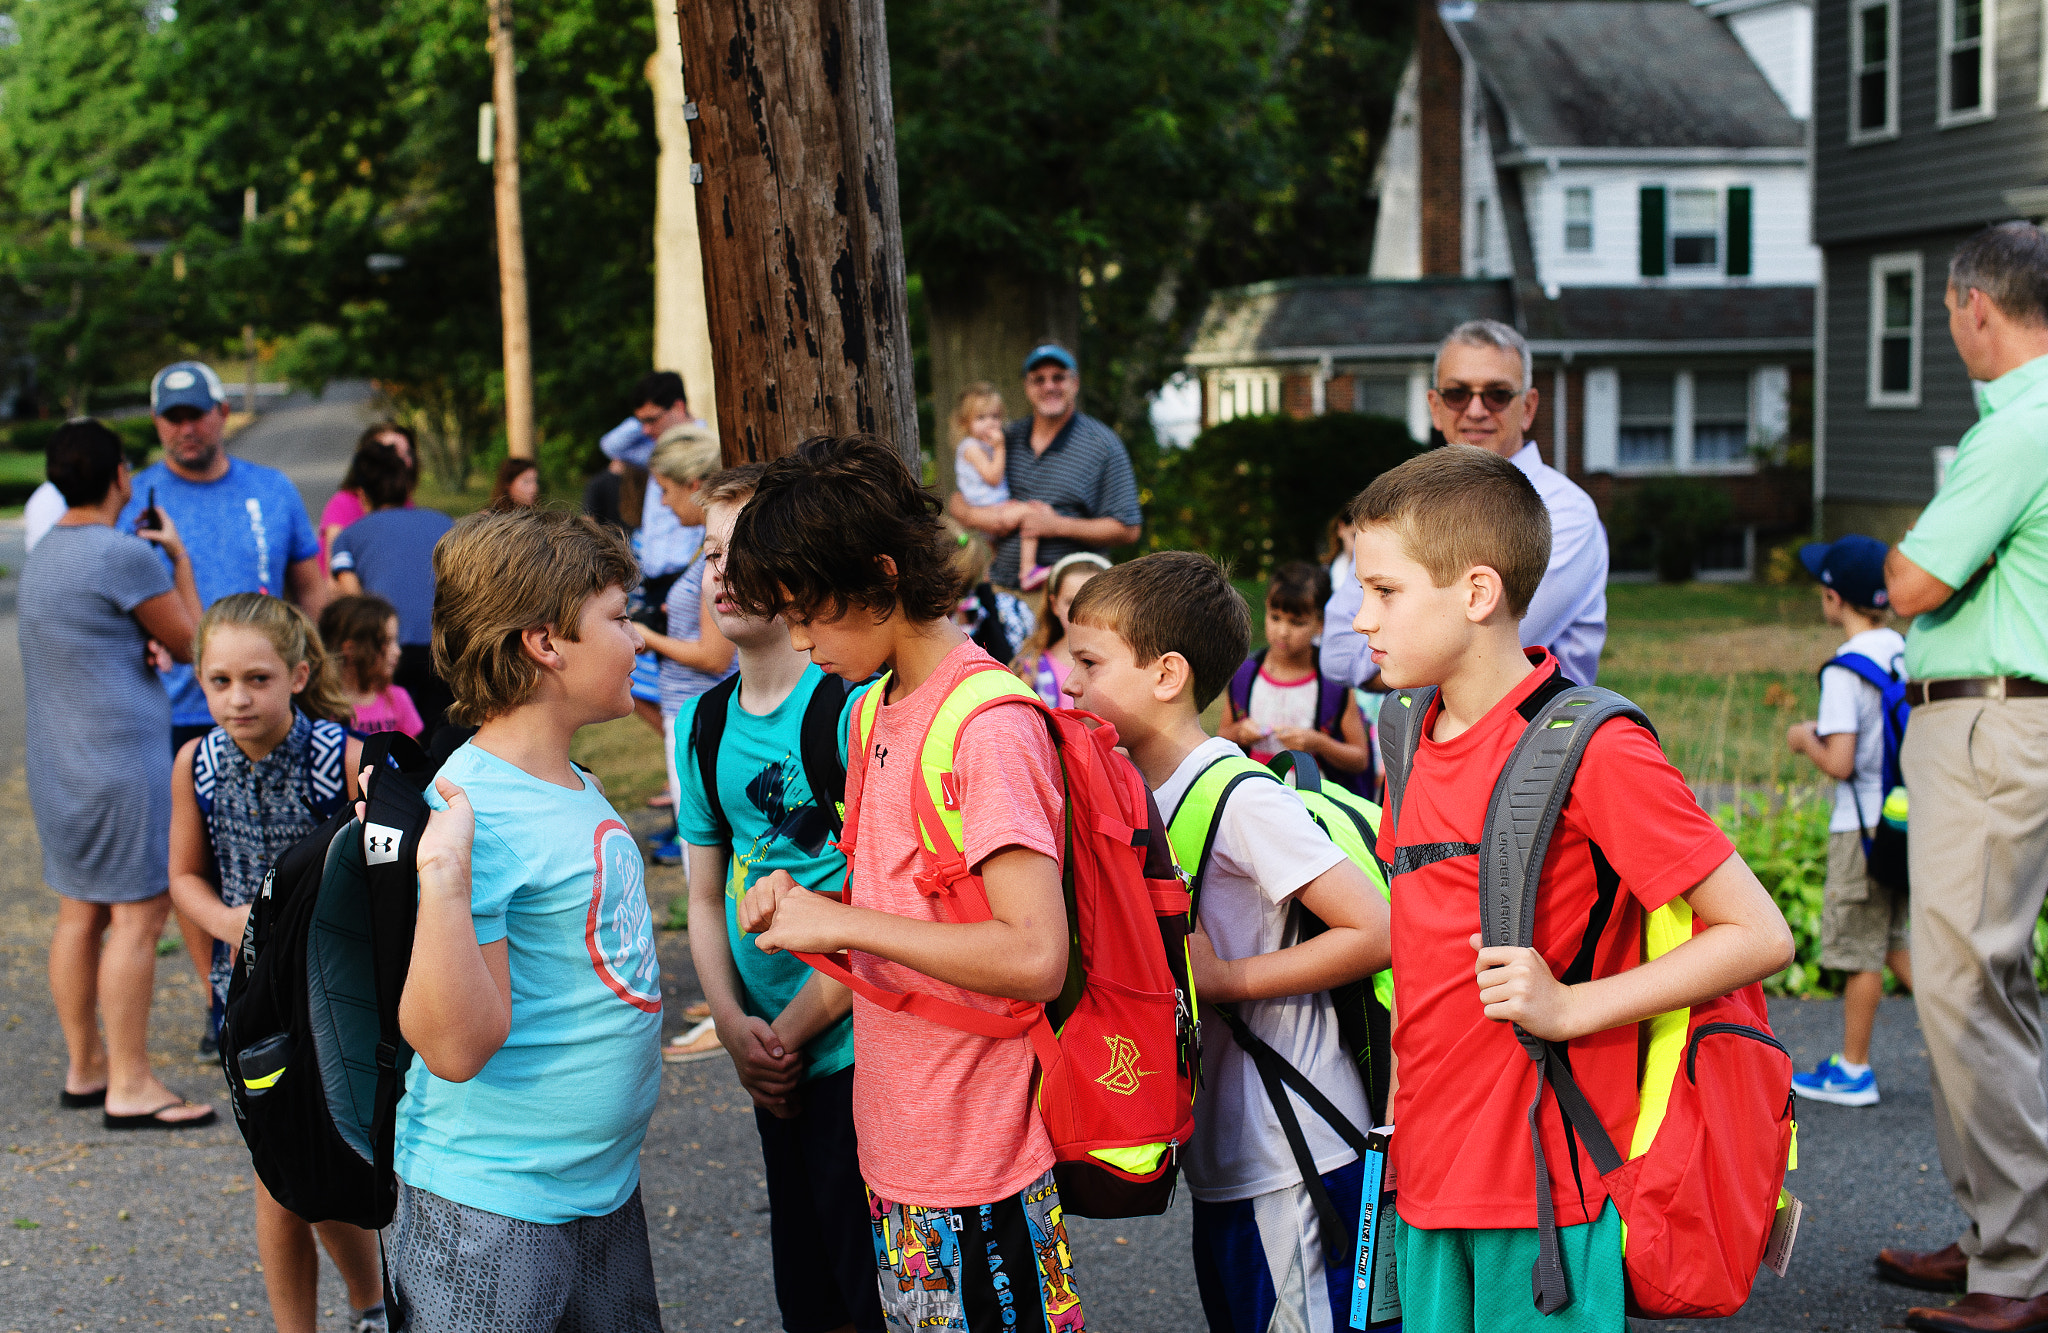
x,y
788,1030
534,997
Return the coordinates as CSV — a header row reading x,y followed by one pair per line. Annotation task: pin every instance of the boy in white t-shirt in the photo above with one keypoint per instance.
x,y
1154,641
1863,922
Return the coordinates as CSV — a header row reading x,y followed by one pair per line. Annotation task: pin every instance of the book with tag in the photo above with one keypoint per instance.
x,y
1375,1293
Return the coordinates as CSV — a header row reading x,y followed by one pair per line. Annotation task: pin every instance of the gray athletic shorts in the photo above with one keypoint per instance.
x,y
453,1268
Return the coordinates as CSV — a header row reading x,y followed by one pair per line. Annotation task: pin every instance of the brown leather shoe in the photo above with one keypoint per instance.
x,y
1926,1270
1981,1313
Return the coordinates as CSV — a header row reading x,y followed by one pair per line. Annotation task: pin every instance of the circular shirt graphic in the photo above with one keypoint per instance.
x,y
619,931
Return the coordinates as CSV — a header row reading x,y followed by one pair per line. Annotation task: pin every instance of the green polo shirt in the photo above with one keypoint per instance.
x,y
1994,502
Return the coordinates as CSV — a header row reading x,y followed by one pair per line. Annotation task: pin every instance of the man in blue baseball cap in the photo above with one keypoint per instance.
x,y
1071,472
244,525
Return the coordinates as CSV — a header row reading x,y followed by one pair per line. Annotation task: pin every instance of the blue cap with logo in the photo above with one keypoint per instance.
x,y
1853,566
1053,352
186,384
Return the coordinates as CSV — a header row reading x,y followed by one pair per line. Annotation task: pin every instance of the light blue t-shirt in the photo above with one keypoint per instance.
x,y
776,825
549,1130
243,531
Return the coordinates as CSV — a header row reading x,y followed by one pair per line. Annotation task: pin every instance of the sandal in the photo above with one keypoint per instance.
x,y
699,1043
78,1101
151,1120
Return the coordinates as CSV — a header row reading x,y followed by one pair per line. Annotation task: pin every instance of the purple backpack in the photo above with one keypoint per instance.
x,y
1330,697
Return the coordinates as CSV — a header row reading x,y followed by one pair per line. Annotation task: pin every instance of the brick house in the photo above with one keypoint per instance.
x,y
1623,180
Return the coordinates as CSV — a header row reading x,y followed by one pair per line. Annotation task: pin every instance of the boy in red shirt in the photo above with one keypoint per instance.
x,y
1450,548
842,543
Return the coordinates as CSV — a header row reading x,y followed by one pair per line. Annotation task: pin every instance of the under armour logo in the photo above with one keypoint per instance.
x,y
380,843
1123,1072
881,756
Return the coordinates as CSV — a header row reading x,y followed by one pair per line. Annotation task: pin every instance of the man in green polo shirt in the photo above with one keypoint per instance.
x,y
1974,573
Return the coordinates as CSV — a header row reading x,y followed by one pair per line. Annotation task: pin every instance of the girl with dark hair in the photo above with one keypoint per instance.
x,y
361,634
518,485
349,502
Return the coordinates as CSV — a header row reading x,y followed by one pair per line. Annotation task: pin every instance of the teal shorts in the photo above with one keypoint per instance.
x,y
1453,1280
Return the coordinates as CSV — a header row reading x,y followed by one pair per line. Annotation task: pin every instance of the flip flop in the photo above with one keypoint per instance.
x,y
149,1120
699,1043
697,1011
78,1101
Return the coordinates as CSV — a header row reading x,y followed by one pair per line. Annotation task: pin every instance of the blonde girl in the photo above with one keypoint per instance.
x,y
980,468
275,766
362,635
1045,659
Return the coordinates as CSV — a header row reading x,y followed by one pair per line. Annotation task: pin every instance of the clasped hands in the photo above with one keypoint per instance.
x,y
783,914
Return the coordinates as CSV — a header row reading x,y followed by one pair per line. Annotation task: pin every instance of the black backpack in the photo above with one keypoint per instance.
x,y
819,746
314,1061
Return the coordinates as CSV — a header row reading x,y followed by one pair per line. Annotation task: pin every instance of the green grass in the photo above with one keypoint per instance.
x,y
20,469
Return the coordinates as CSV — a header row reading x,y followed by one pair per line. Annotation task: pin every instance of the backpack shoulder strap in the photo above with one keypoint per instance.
x,y
818,747
1863,666
1241,682
1199,816
395,775
326,767
707,729
1400,727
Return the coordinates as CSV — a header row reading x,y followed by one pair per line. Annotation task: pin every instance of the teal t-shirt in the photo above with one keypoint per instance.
x,y
776,825
549,1130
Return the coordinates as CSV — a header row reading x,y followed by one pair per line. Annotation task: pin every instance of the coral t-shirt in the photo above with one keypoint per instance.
x,y
1630,839
944,1117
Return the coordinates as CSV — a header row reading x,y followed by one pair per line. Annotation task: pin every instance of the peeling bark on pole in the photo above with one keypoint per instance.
x,y
794,139
511,238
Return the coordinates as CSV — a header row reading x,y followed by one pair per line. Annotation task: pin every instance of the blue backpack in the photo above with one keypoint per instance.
x,y
1884,837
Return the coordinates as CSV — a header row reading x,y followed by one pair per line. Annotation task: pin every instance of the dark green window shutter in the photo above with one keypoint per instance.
x,y
1738,231
1653,231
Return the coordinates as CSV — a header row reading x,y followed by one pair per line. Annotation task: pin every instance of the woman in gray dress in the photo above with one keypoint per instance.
x,y
99,772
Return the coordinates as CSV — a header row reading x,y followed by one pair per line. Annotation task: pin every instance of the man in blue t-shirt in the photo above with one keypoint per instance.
x,y
246,530
389,552
788,1030
244,523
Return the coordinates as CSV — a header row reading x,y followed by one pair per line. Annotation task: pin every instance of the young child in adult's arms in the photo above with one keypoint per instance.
x,y
534,997
1863,924
266,776
1281,710
842,543
1154,641
789,1031
1450,547
361,634
980,469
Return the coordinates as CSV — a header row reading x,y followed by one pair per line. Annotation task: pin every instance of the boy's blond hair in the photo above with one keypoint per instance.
x,y
685,454
1461,506
1172,602
498,574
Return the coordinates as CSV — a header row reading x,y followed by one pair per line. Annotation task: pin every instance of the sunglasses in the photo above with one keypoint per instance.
x,y
1456,396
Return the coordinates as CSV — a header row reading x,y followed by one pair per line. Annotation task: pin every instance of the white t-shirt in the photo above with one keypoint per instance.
x,y
1266,851
46,504
1850,703
1277,704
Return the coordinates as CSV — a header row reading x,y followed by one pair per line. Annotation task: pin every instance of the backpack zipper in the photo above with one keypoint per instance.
x,y
1692,1049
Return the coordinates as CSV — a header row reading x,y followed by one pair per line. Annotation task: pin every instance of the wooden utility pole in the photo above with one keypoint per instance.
x,y
794,146
511,238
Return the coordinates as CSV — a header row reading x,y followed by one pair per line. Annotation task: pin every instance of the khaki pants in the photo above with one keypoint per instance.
x,y
1978,773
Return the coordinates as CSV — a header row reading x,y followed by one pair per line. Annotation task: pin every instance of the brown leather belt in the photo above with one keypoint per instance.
x,y
1975,687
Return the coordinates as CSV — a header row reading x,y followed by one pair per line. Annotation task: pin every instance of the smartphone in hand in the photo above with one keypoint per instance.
x,y
149,520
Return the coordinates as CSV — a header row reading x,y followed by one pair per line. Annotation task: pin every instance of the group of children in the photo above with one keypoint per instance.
x,y
910,1177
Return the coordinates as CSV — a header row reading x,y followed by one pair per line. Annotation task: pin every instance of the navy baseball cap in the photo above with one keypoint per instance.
x,y
1853,566
1053,352
186,384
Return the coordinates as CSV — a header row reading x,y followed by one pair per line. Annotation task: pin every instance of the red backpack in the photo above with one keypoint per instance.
x,y
1118,1051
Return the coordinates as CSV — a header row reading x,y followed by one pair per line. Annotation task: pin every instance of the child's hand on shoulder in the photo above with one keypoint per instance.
x,y
1516,986
788,916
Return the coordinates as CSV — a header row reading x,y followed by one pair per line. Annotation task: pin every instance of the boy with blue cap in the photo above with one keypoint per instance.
x,y
1863,922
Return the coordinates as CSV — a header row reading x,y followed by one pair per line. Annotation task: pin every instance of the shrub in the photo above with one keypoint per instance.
x,y
1258,491
1671,517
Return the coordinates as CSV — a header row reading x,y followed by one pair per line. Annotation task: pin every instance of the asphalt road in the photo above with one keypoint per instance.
x,y
101,1230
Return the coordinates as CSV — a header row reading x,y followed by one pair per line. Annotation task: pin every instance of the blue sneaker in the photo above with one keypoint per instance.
x,y
1829,1082
666,851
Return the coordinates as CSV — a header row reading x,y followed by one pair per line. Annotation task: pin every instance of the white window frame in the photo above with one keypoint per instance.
x,y
1881,267
1890,128
1252,392
1719,231
2042,98
1987,68
1566,217
1602,426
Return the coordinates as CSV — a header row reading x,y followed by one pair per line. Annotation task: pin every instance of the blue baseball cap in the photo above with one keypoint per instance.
x,y
186,384
1045,352
1853,566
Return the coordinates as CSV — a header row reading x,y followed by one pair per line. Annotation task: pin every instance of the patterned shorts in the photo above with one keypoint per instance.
x,y
454,1269
1002,1267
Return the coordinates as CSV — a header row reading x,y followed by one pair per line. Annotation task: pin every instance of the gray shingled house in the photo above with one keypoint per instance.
x,y
1623,180
1930,121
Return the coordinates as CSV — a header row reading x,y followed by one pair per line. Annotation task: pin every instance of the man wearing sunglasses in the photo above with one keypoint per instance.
x,y
1483,395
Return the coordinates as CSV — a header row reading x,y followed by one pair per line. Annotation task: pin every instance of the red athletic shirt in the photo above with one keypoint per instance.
x,y
1630,839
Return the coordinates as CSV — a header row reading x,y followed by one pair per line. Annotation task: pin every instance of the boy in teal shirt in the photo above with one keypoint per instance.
x,y
788,1030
